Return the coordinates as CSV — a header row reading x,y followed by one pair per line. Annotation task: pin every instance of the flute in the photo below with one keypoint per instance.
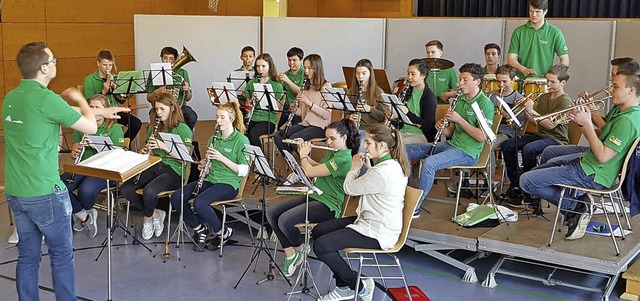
x,y
296,142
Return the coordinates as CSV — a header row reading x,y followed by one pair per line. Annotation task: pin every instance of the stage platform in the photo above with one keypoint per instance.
x,y
523,244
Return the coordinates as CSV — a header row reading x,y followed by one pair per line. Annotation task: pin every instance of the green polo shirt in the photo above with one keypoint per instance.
x,y
546,105
332,195
185,134
258,114
31,119
115,133
462,139
297,79
93,86
176,79
232,148
446,80
414,107
535,48
618,135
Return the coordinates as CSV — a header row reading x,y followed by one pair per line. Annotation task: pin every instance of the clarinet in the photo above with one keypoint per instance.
x,y
296,105
401,99
253,105
445,123
207,165
153,135
77,160
359,104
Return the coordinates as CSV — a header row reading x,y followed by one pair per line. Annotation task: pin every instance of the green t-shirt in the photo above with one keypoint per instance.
x,y
462,139
619,135
115,133
297,79
176,79
93,86
258,114
232,148
446,80
31,119
338,164
546,105
535,48
414,107
185,134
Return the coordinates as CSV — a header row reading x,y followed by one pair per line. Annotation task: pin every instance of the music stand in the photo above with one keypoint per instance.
x,y
337,99
130,164
240,79
261,168
397,109
179,151
222,93
267,100
100,143
305,271
381,78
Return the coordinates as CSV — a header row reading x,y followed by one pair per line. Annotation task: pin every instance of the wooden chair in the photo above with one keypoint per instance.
x,y
411,199
612,193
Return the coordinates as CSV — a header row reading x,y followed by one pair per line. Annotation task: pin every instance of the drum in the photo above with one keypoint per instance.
x,y
534,85
490,84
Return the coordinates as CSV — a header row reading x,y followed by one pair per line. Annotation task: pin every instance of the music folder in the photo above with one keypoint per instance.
x,y
115,165
161,74
177,148
265,95
337,99
223,93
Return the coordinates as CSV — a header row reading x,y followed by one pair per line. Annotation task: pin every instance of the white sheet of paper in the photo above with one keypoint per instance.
x,y
260,90
239,79
225,91
118,160
507,109
100,143
391,98
177,147
483,122
156,74
298,170
260,163
334,98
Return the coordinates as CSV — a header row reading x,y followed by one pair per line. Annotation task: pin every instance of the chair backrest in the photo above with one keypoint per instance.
x,y
411,198
485,154
345,206
441,110
625,165
243,182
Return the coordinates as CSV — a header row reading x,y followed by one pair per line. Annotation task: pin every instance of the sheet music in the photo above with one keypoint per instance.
x,y
118,160
239,79
394,104
300,172
507,109
225,92
124,77
334,98
261,90
483,122
156,74
177,147
100,143
260,164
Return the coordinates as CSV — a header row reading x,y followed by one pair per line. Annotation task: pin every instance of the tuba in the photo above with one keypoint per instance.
x,y
183,58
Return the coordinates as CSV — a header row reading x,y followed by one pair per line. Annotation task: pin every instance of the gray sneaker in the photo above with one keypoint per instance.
x,y
91,223
77,224
367,291
338,294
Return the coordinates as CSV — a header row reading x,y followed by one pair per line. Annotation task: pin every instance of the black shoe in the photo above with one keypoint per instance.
x,y
513,193
578,222
214,243
514,203
200,237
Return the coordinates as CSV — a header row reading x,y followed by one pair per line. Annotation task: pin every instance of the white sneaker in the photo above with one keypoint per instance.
x,y
338,294
367,291
158,223
13,239
147,231
91,223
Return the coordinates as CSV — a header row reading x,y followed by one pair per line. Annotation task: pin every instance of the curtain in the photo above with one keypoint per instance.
x,y
520,8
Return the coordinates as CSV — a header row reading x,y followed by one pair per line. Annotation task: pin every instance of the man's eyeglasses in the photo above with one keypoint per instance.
x,y
53,60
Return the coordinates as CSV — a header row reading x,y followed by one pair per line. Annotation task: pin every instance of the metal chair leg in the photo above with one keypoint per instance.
x,y
555,221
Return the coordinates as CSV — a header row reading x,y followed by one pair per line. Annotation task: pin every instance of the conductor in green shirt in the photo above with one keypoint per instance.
x,y
534,44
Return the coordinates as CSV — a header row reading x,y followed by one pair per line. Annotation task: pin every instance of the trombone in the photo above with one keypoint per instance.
x,y
519,106
594,105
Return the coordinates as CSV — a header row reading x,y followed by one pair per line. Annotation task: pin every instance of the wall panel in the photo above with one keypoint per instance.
x,y
173,7
112,11
302,8
627,40
15,35
12,75
339,8
244,8
23,11
83,40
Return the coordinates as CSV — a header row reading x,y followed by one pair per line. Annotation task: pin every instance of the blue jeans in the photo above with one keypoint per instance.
x,y
553,152
284,215
540,181
48,215
209,193
445,155
531,146
88,190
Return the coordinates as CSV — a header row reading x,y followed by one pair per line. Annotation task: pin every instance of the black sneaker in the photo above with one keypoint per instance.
x,y
214,242
200,237
577,224
514,203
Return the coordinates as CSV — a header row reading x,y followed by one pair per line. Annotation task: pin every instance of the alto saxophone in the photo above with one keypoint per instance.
x,y
444,124
153,135
359,105
296,105
207,165
77,160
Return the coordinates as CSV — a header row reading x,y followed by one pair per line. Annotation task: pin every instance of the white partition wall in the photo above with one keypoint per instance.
x,y
340,42
463,40
214,41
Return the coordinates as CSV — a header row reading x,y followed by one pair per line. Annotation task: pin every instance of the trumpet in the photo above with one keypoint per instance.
x,y
77,160
296,142
562,116
519,107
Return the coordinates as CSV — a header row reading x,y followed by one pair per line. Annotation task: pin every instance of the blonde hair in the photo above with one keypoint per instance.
x,y
234,112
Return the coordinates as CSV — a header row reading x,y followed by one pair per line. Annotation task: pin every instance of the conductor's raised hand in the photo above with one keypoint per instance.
x,y
73,96
111,112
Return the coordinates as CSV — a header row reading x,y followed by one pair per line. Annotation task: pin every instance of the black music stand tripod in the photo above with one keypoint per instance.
x,y
262,169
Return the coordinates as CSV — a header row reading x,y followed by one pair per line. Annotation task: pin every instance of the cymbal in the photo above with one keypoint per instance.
x,y
438,63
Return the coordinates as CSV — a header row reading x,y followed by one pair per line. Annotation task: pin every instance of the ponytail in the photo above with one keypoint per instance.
x,y
234,110
347,127
393,139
